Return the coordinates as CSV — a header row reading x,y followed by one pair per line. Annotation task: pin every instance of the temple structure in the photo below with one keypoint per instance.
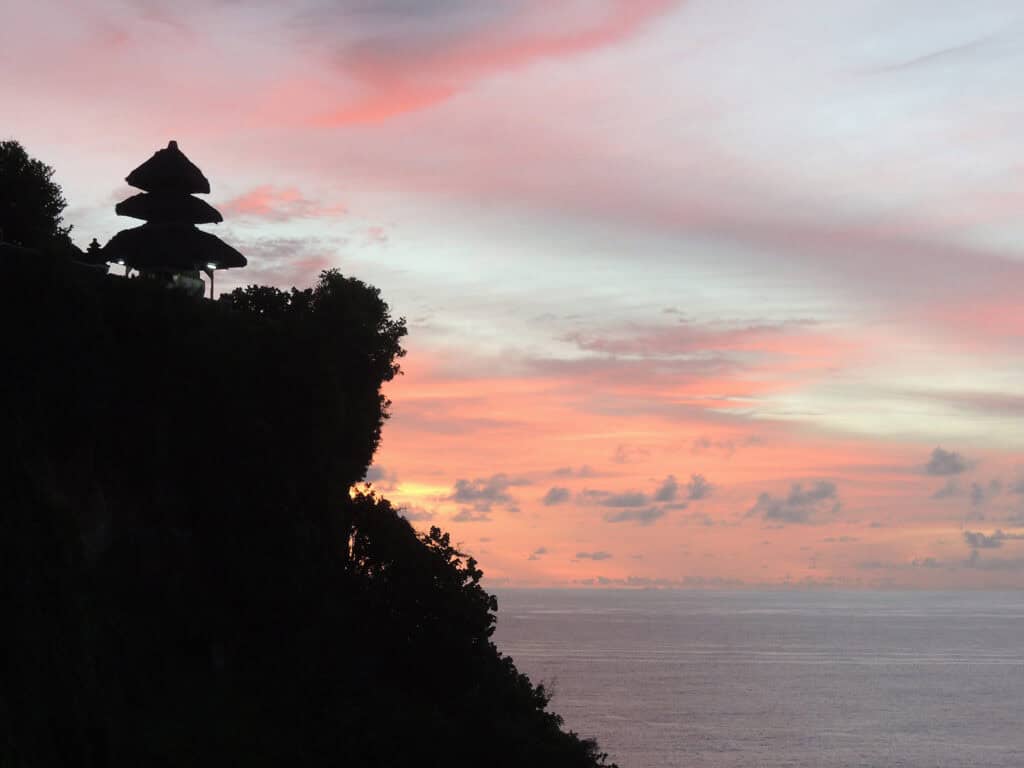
x,y
169,246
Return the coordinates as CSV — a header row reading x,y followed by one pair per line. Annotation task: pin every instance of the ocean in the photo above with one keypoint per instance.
x,y
766,679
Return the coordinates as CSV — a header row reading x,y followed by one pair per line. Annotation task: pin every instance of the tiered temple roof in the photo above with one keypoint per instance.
x,y
169,242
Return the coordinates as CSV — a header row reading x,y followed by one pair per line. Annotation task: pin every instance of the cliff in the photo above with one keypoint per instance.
x,y
188,579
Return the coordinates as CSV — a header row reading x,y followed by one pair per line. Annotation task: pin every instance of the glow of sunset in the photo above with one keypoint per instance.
x,y
699,293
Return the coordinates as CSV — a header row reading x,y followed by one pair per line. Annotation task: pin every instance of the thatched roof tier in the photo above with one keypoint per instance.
x,y
168,170
171,248
167,207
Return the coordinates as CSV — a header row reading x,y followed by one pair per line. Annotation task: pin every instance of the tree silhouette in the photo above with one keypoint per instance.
x,y
188,577
31,203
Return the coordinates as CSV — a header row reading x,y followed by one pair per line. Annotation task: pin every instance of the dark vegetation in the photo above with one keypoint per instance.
x,y
187,578
31,204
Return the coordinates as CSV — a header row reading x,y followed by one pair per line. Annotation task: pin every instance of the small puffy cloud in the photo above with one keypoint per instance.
x,y
381,478
994,540
416,514
705,445
584,470
538,553
943,463
802,505
484,492
639,516
556,495
593,555
645,508
980,494
977,495
698,488
627,454
948,491
466,515
820,491
627,499
702,445
994,564
668,490
698,518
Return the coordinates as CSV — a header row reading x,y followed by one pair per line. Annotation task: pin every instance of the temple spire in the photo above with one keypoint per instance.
x,y
169,245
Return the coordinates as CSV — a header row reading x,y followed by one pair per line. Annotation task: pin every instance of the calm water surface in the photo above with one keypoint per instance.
x,y
814,679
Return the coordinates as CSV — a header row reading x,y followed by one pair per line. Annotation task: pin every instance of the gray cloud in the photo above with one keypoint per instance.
x,y
556,495
727,448
593,555
948,491
802,505
627,499
977,495
485,492
639,516
667,494
994,540
466,515
698,518
668,490
381,478
944,462
584,470
994,564
698,488
416,514
625,454
538,553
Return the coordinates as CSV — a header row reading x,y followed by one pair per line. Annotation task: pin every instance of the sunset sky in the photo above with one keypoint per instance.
x,y
699,293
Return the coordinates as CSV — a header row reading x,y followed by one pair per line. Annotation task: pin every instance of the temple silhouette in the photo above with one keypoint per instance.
x,y
169,246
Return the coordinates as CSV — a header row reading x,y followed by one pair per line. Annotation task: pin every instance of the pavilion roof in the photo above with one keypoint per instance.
x,y
168,170
171,247
167,207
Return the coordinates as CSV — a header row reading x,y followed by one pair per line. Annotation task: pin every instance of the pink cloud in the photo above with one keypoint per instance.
x,y
279,204
409,76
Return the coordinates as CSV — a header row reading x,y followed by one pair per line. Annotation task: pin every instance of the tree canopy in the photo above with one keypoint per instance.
x,y
31,202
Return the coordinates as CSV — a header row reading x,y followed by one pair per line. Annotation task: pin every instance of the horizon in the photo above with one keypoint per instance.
x,y
637,243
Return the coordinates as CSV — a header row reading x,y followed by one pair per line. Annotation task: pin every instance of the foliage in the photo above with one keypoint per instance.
x,y
31,203
189,580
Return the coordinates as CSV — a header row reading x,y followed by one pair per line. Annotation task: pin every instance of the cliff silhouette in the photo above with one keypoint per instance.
x,y
188,576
